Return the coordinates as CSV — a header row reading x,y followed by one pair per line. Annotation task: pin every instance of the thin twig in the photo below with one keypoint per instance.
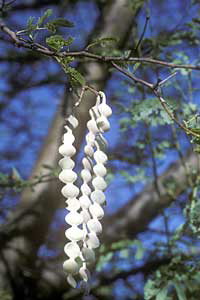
x,y
133,51
131,76
157,189
46,51
166,79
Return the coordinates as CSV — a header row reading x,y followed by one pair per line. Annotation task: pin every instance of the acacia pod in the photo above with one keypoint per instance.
x,y
87,163
94,226
74,234
92,241
92,126
105,110
67,150
96,211
72,249
98,197
99,183
66,163
89,150
86,216
90,138
85,189
73,121
84,273
88,255
100,157
70,266
70,191
74,218
71,281
103,123
67,176
86,175
85,201
68,138
99,170
72,204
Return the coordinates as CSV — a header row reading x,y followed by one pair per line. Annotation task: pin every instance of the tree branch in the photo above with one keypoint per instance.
x,y
46,51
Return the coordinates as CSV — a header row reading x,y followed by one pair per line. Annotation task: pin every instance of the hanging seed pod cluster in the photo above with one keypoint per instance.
x,y
84,206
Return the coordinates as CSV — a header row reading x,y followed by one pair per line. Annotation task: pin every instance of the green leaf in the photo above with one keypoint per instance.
x,y
124,253
30,26
103,260
75,76
46,15
150,290
162,294
60,22
139,253
179,290
102,42
136,66
57,42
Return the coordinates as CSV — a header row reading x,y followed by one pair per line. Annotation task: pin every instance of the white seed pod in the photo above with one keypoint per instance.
x,y
73,121
89,150
96,211
67,176
103,123
100,157
74,234
68,138
94,112
92,126
84,273
92,241
74,218
72,204
87,163
71,281
99,170
94,226
72,250
85,201
86,216
98,197
70,190
85,189
66,163
67,150
103,108
99,183
88,255
70,266
86,175
90,138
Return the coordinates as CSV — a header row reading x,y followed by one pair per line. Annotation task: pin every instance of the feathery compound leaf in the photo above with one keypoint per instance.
x,y
30,26
179,290
60,22
57,42
75,76
102,41
46,15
